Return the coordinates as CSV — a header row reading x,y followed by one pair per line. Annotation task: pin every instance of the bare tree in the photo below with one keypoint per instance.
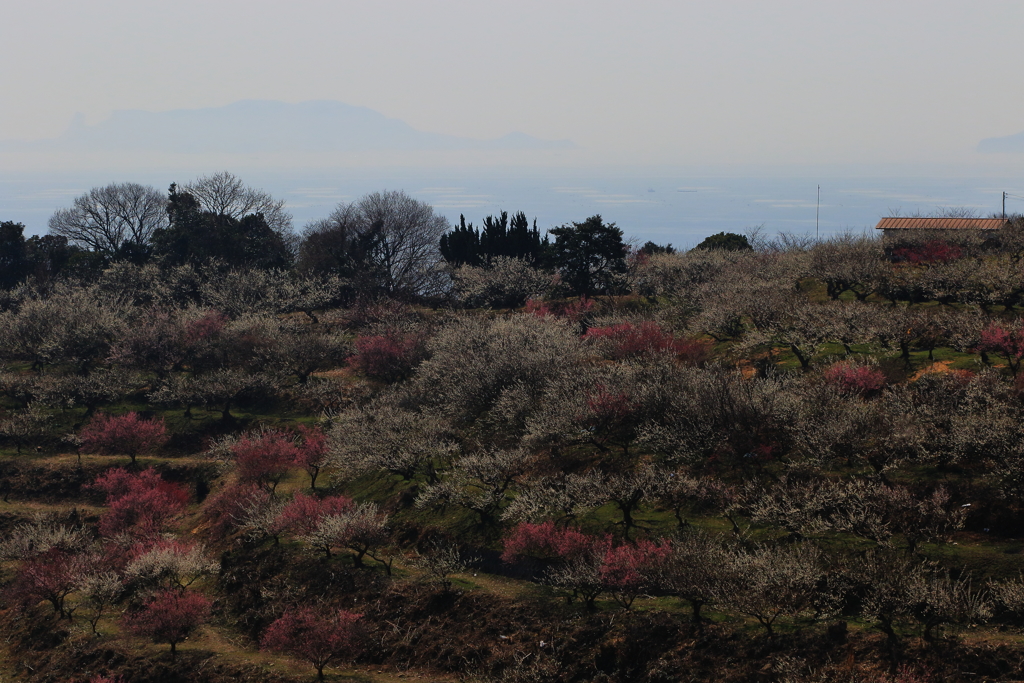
x,y
401,236
225,194
106,218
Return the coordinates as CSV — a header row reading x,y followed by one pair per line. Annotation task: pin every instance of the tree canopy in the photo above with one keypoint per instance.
x,y
106,219
195,235
589,255
498,237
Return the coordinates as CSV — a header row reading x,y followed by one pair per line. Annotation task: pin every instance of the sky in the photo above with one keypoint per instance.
x,y
643,83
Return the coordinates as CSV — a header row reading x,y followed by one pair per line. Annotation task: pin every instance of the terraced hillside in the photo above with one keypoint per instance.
x,y
798,462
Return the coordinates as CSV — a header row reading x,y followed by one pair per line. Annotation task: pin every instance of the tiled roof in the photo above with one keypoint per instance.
x,y
940,224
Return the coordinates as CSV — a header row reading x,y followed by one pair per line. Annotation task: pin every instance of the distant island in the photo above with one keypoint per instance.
x,y
266,126
1009,144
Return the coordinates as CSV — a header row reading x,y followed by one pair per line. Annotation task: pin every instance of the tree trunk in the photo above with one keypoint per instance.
x,y
805,363
696,605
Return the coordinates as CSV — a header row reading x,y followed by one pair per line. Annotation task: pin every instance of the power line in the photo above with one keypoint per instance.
x,y
1005,195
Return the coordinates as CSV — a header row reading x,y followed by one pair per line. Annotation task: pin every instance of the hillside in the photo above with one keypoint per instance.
x,y
799,461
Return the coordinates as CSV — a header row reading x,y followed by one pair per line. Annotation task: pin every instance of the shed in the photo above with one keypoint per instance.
x,y
895,226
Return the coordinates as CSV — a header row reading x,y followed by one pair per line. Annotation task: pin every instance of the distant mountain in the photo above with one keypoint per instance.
x,y
265,126
1013,144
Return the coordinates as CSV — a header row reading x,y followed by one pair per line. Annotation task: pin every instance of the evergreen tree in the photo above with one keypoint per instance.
x,y
589,255
500,236
13,254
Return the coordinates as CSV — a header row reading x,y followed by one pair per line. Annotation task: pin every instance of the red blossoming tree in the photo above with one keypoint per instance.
x,y
854,379
302,515
170,617
52,576
126,434
319,637
626,570
627,340
1005,341
588,565
139,505
311,452
387,358
932,251
545,540
264,457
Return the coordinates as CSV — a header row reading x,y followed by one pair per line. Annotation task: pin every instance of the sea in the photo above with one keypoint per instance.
x,y
678,205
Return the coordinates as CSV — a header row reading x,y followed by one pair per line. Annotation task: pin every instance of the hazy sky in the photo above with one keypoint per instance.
x,y
740,82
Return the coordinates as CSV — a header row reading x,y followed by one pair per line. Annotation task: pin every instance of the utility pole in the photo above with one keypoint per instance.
x,y
1004,206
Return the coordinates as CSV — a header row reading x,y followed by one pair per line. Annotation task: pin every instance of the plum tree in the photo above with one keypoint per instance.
x,y
693,570
769,582
302,514
264,457
99,590
170,617
312,452
127,434
627,569
361,528
386,436
170,564
319,636
53,575
479,482
139,505
1005,340
504,283
388,358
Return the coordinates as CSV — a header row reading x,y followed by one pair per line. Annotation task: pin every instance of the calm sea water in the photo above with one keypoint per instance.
x,y
667,206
